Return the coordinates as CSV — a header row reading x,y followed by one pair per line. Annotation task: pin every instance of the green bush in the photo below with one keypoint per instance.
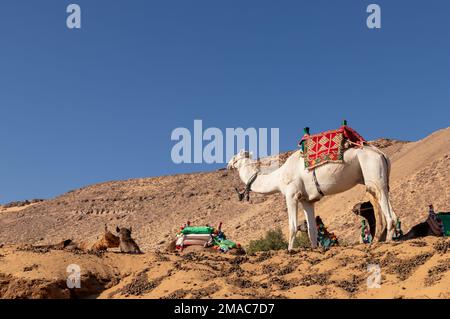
x,y
302,240
275,240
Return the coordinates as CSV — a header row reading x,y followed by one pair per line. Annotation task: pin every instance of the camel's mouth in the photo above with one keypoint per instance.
x,y
232,164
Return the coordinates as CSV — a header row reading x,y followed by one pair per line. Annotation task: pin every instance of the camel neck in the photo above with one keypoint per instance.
x,y
264,183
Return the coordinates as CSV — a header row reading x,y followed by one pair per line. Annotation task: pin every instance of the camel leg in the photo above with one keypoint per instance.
x,y
376,181
292,206
381,196
308,208
389,214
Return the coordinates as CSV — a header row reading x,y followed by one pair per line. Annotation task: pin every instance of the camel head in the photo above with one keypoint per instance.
x,y
127,244
234,161
124,232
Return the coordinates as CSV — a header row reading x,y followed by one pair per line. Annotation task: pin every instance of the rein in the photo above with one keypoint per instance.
x,y
248,188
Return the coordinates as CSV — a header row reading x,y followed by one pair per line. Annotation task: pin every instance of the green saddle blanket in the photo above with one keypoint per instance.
x,y
197,230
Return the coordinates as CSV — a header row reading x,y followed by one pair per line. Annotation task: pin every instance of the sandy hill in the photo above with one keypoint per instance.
x,y
157,207
414,269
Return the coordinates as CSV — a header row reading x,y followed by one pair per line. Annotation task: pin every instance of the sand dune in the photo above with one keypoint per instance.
x,y
414,269
157,207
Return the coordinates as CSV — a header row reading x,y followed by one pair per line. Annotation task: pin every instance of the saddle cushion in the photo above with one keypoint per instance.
x,y
328,146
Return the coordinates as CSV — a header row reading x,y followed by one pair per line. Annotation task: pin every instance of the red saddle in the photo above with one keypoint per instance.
x,y
329,146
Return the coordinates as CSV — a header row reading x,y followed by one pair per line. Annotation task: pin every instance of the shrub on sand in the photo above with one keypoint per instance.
x,y
275,240
302,240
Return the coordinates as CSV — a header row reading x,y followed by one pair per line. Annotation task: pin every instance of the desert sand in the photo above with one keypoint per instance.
x,y
414,269
156,208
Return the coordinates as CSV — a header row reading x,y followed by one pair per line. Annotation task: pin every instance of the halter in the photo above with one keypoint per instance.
x,y
248,188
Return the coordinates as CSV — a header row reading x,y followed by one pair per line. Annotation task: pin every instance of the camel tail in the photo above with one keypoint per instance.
x,y
388,169
387,162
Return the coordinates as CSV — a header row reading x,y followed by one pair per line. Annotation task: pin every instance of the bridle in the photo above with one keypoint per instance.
x,y
248,188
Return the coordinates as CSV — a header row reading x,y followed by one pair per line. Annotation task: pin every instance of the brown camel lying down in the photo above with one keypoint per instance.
x,y
105,241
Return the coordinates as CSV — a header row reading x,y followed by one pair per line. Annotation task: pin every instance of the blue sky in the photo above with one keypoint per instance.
x,y
84,106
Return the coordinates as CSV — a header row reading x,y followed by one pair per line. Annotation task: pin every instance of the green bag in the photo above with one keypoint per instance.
x,y
227,244
445,218
197,230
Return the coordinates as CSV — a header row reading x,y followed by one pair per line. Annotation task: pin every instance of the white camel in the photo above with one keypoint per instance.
x,y
366,165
